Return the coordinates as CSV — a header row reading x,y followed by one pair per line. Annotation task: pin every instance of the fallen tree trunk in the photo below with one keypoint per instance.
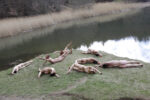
x,y
121,64
63,54
89,51
20,66
82,68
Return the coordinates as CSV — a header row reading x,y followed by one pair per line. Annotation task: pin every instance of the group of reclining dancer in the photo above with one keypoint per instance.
x,y
47,70
78,65
114,63
50,70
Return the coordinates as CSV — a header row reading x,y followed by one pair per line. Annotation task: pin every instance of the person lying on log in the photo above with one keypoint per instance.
x,y
20,66
62,56
90,51
82,68
121,64
47,70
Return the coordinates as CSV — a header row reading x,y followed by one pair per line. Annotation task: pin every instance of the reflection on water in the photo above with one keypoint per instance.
x,y
129,47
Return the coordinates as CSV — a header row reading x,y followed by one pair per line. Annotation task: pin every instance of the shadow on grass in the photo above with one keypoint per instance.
x,y
128,98
76,96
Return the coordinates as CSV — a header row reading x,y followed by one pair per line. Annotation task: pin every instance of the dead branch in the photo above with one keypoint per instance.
x,y
63,54
121,64
47,70
82,68
96,53
20,66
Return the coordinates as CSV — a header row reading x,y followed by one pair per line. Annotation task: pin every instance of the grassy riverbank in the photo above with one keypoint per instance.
x,y
113,84
10,27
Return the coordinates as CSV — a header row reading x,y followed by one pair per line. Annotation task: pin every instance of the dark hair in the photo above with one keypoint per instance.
x,y
105,66
47,56
96,54
15,71
53,74
95,62
61,52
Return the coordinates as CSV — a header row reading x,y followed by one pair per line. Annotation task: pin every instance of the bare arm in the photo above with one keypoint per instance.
x,y
39,75
57,75
70,68
68,45
97,70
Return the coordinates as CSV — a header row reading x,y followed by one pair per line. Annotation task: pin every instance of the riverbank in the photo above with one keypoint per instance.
x,y
10,27
112,85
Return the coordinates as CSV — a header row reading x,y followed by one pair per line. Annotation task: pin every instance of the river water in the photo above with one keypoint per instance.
x,y
128,36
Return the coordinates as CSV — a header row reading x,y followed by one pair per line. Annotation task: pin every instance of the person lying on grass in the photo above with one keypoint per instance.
x,y
63,55
93,52
47,70
20,66
82,68
121,64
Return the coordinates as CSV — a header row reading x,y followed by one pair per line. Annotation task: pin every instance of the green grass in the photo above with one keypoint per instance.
x,y
113,84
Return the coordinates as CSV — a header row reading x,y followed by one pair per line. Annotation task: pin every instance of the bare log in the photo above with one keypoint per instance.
x,y
82,68
20,66
121,64
47,70
93,52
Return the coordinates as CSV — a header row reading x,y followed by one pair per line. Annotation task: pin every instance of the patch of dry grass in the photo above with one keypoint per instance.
x,y
13,26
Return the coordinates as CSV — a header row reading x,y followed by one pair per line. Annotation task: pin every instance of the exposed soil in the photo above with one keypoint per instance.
x,y
77,96
59,93
128,98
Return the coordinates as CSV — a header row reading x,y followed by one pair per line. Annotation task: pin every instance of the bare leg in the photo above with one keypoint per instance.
x,y
134,62
68,45
131,65
56,52
39,75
